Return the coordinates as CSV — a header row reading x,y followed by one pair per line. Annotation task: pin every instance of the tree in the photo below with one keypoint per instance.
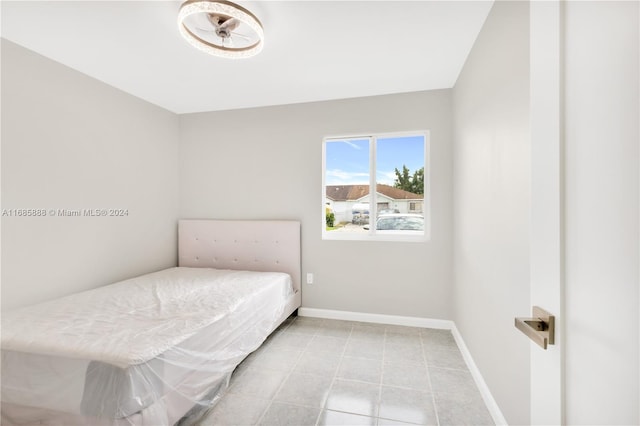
x,y
412,183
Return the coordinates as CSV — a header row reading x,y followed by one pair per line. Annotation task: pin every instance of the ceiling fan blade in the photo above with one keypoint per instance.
x,y
204,30
242,36
214,19
230,24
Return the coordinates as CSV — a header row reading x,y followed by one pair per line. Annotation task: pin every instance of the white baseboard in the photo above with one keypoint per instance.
x,y
375,318
489,401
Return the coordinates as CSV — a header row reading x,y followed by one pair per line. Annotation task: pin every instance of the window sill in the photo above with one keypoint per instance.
x,y
342,236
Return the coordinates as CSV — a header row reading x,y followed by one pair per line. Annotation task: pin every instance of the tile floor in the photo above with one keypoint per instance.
x,y
326,372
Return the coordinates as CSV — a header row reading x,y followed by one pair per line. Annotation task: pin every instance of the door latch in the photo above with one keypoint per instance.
x,y
540,327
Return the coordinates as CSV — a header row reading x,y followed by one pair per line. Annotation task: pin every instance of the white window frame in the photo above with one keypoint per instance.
x,y
372,235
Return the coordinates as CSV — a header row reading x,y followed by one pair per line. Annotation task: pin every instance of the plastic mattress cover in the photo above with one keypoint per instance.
x,y
153,350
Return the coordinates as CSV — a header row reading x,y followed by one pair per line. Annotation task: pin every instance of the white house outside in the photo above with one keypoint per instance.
x,y
350,203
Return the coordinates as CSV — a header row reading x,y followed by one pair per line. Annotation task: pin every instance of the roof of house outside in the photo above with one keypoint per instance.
x,y
356,192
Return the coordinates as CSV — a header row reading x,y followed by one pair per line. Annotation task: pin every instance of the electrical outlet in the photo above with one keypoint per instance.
x,y
309,278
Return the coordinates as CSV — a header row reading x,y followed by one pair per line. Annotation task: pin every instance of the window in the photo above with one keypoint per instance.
x,y
376,187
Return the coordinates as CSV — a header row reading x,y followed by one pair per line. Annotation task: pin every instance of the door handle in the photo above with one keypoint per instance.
x,y
540,327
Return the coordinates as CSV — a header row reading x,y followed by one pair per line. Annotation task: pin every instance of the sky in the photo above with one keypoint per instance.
x,y
347,160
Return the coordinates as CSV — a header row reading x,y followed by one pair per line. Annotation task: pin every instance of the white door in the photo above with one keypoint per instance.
x,y
547,206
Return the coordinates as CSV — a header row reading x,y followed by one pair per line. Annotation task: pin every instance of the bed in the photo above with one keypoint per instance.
x,y
158,349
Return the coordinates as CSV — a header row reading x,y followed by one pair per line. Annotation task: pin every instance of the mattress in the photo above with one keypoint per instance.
x,y
150,346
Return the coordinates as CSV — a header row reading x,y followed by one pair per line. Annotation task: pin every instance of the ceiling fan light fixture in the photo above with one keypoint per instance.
x,y
228,10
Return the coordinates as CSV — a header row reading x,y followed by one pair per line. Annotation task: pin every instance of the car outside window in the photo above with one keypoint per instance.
x,y
400,222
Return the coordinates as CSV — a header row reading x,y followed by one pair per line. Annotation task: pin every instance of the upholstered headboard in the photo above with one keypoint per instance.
x,y
265,245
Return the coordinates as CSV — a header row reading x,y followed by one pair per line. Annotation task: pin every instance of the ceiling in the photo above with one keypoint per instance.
x,y
314,50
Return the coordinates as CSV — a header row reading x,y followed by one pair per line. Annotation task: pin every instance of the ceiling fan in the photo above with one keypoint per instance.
x,y
224,27
211,26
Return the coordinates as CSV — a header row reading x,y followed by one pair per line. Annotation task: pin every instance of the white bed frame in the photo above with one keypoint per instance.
x,y
249,245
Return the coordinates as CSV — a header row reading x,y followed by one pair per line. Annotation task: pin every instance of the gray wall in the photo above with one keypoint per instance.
x,y
491,205
72,142
266,163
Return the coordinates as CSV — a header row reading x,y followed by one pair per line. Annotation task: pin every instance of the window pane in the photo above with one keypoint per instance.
x,y
400,178
347,185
